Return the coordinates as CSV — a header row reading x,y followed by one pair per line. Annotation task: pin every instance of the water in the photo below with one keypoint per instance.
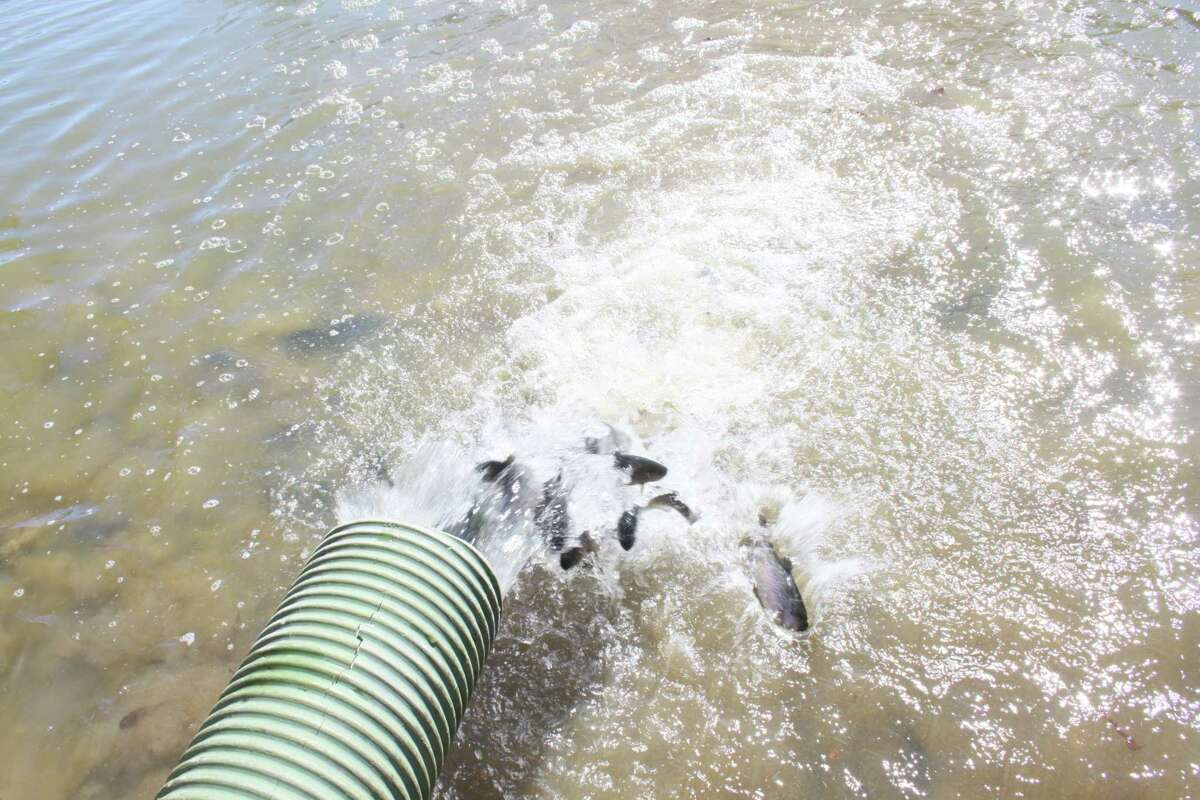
x,y
924,276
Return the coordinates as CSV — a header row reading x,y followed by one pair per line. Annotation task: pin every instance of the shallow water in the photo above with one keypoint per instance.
x,y
925,277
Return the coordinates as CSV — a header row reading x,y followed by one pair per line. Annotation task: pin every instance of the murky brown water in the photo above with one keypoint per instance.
x,y
925,276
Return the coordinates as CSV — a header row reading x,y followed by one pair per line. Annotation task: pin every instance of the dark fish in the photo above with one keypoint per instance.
x,y
492,470
132,718
217,360
573,555
641,470
507,497
627,527
333,336
775,587
551,516
672,501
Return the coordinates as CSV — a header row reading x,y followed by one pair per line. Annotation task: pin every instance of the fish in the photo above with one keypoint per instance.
x,y
628,523
514,482
670,500
507,497
132,718
336,335
775,587
573,555
551,517
492,470
608,443
641,470
627,527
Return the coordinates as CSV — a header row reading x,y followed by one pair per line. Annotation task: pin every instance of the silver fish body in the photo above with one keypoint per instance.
x,y
775,587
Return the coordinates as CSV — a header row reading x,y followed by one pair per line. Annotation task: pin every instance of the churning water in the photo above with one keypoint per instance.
x,y
922,278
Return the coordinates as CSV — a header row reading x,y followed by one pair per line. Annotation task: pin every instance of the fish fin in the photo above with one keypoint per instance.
x,y
494,469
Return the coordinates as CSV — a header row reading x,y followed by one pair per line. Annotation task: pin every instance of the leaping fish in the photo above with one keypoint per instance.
x,y
641,470
628,523
775,587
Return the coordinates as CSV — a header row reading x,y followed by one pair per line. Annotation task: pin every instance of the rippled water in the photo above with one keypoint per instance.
x,y
924,276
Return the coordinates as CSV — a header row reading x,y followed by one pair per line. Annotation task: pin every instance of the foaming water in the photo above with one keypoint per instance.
x,y
441,486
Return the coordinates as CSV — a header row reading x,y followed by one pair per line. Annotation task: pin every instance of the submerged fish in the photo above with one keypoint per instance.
x,y
670,500
641,470
573,555
333,336
775,587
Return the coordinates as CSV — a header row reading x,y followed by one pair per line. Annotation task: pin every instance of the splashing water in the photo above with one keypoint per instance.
x,y
441,487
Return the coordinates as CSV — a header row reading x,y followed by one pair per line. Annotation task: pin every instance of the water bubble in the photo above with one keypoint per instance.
x,y
212,502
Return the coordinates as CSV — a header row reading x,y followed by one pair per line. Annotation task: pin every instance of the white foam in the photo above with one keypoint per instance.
x,y
696,320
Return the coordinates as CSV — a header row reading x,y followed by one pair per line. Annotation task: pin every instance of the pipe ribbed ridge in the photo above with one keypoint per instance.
x,y
356,686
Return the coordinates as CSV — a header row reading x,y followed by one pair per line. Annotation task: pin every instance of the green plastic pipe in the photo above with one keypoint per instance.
x,y
357,684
